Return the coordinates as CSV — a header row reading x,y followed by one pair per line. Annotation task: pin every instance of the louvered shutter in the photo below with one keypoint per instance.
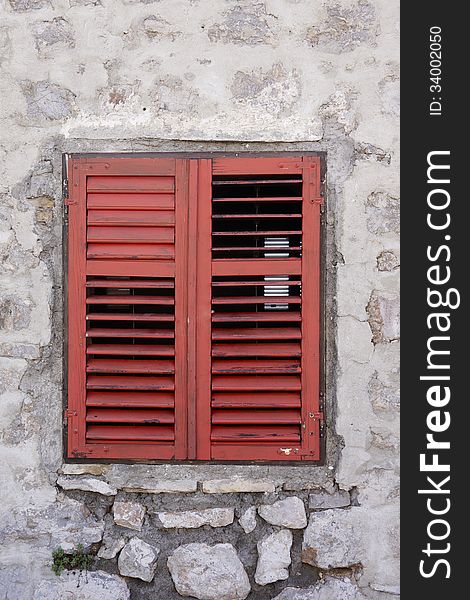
x,y
259,391
127,259
194,308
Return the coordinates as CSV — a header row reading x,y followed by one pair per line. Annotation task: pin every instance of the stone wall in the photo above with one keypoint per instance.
x,y
202,75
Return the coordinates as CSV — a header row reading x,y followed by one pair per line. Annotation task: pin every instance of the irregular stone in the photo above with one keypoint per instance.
x,y
50,33
15,312
383,397
157,28
5,44
331,588
237,485
25,5
386,589
73,469
69,523
323,500
46,100
276,91
341,108
364,151
12,350
64,524
390,95
345,28
44,209
248,519
387,261
273,557
383,213
138,559
209,572
289,512
129,514
110,547
86,2
330,541
86,484
243,25
191,519
383,317
159,486
96,584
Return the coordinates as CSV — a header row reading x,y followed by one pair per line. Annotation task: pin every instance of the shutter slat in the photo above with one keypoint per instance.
x,y
118,365
131,251
256,299
256,417
122,415
259,400
232,283
129,317
255,433
135,184
131,235
267,233
130,333
137,349
256,317
254,181
264,333
118,218
268,199
129,299
131,283
253,217
257,249
127,382
132,433
281,383
138,201
131,399
255,400
221,350
259,367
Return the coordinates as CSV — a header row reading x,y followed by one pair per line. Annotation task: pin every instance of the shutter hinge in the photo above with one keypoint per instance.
x,y
69,413
65,189
65,177
319,416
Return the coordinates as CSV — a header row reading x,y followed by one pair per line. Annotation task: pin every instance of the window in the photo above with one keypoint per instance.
x,y
194,308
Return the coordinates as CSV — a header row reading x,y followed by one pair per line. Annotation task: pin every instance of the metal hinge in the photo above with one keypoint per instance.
x,y
319,416
69,413
65,176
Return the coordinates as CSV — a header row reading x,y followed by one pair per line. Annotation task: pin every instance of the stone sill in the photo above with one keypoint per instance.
x,y
209,478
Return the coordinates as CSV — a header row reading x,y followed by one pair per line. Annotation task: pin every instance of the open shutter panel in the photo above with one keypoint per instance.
x,y
264,302
127,291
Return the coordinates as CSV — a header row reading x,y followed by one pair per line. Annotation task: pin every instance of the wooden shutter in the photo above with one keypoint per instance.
x,y
259,393
127,260
193,308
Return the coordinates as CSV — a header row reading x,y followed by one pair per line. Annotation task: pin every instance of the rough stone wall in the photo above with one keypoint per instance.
x,y
198,75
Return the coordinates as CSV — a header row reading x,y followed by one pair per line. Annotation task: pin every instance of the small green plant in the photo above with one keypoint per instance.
x,y
76,560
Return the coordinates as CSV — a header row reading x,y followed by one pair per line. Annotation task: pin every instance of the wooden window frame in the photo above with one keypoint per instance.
x,y
196,379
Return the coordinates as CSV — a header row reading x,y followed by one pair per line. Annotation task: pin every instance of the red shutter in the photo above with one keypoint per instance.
x,y
194,325
262,399
127,294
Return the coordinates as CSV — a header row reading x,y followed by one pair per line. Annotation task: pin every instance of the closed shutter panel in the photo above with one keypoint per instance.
x,y
127,291
264,304
193,309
